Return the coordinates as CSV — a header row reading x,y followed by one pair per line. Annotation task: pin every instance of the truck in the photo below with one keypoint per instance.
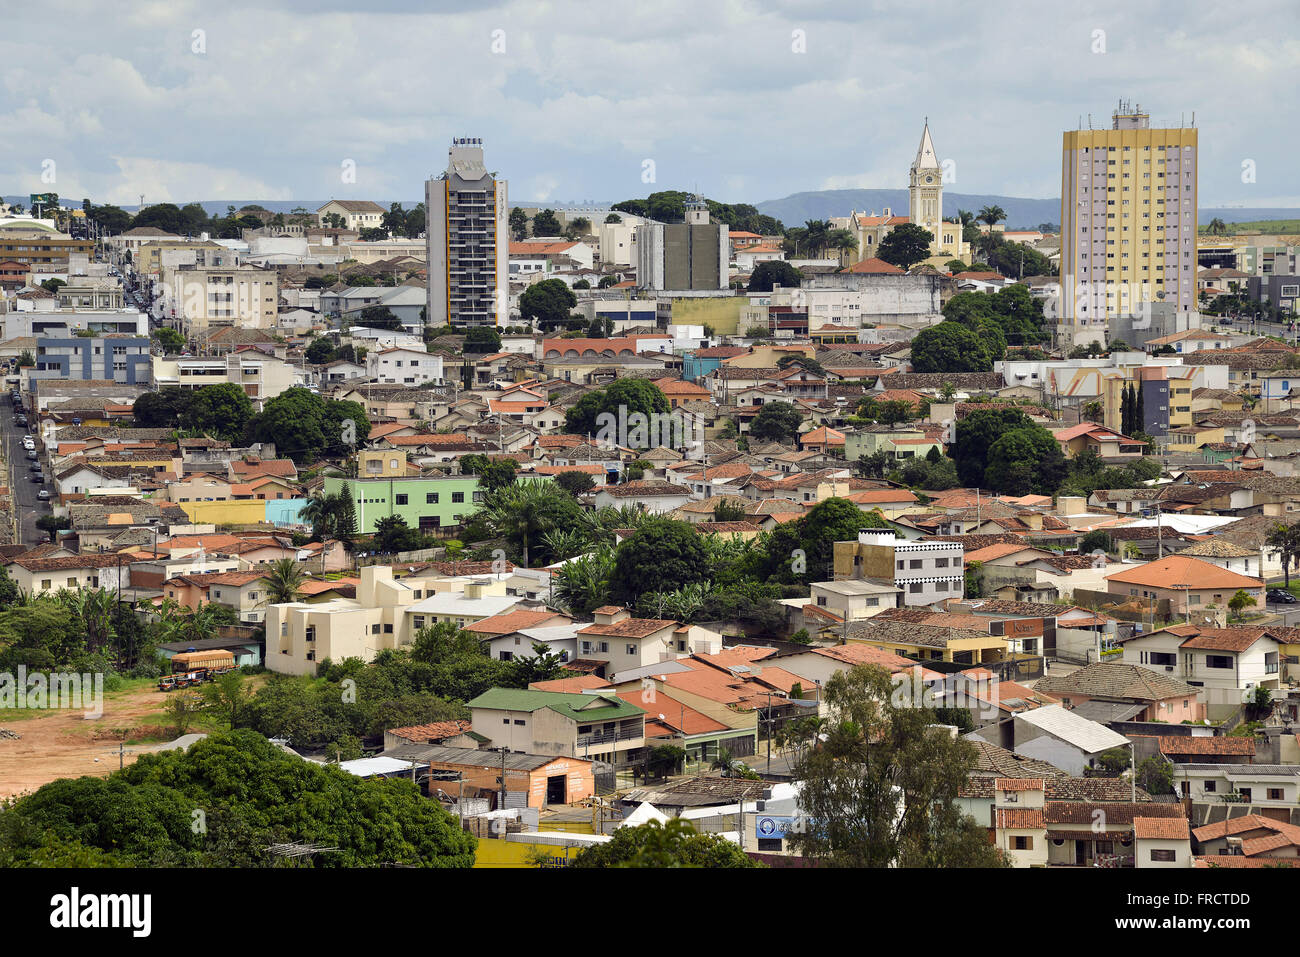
x,y
216,660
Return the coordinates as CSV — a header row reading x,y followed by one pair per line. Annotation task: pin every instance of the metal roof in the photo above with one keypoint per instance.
x,y
475,758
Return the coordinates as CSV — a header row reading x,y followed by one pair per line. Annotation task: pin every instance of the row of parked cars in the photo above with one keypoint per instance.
x,y
33,457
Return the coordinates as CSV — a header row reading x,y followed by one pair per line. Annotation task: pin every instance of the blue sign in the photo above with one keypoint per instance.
x,y
772,827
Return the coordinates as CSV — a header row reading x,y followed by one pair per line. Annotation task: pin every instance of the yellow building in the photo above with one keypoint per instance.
x,y
230,512
381,463
1128,222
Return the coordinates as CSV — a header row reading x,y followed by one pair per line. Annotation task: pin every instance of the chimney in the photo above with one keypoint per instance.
x,y
1033,519
474,589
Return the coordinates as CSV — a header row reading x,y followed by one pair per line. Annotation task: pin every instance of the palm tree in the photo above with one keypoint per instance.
x,y
1286,539
1092,411
724,762
95,607
522,511
584,583
1216,227
991,216
284,582
319,514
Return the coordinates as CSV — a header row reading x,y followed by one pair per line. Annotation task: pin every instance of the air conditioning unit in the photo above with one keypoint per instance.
x,y
1169,667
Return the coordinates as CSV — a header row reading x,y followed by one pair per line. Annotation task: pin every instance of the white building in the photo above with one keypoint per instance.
x,y
403,367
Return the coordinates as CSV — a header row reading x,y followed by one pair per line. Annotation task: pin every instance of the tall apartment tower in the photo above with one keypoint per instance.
x,y
1128,229
468,241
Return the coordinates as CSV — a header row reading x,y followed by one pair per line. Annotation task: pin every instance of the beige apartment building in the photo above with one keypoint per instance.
x,y
199,297
386,614
261,376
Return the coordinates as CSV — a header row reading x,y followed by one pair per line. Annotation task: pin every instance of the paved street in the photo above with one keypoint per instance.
x,y
25,490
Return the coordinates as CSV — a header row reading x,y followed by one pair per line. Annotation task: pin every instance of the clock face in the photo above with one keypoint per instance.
x,y
929,179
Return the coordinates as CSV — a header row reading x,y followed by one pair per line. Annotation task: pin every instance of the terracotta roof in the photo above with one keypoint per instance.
x,y
1219,745
1176,571
1020,817
629,627
430,733
512,621
1019,784
872,265
1161,829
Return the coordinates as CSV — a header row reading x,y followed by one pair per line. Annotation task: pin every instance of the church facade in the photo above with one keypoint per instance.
x,y
925,209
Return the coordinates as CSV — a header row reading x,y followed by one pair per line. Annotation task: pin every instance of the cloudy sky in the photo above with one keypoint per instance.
x,y
741,99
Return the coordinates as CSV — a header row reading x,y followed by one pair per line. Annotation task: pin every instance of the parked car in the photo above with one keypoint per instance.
x,y
36,466
21,420
38,478
32,454
43,495
1281,596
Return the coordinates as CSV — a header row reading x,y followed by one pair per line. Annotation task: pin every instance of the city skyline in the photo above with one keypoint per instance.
x,y
761,101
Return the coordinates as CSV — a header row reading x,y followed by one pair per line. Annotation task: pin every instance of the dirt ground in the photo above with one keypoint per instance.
x,y
60,744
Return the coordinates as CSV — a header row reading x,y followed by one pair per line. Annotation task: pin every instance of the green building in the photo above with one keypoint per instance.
x,y
424,503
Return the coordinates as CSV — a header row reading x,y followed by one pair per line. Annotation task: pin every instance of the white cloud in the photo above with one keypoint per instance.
x,y
713,92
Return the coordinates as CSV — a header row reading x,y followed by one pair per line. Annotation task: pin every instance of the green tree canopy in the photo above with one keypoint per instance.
x,y
660,556
621,397
221,411
880,789
776,422
905,245
950,347
548,303
774,272
253,795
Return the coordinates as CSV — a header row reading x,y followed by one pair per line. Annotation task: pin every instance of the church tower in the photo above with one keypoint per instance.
x,y
925,189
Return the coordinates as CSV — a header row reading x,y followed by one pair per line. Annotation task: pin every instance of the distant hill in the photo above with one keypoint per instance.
x,y
1022,213
823,204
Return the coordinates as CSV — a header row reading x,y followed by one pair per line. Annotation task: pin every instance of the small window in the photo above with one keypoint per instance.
x,y
1023,843
400,498
1166,855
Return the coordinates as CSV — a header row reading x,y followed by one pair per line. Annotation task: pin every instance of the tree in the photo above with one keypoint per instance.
x,y
905,246
320,351
53,524
1096,540
775,272
493,473
524,512
1024,461
161,409
620,400
518,223
728,511
991,215
482,340
1239,602
284,581
548,303
1155,775
671,844
660,556
776,422
221,411
393,535
881,789
305,426
577,228
171,341
254,794
545,223
575,483
803,550
227,698
949,347
379,317
975,434
1285,539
